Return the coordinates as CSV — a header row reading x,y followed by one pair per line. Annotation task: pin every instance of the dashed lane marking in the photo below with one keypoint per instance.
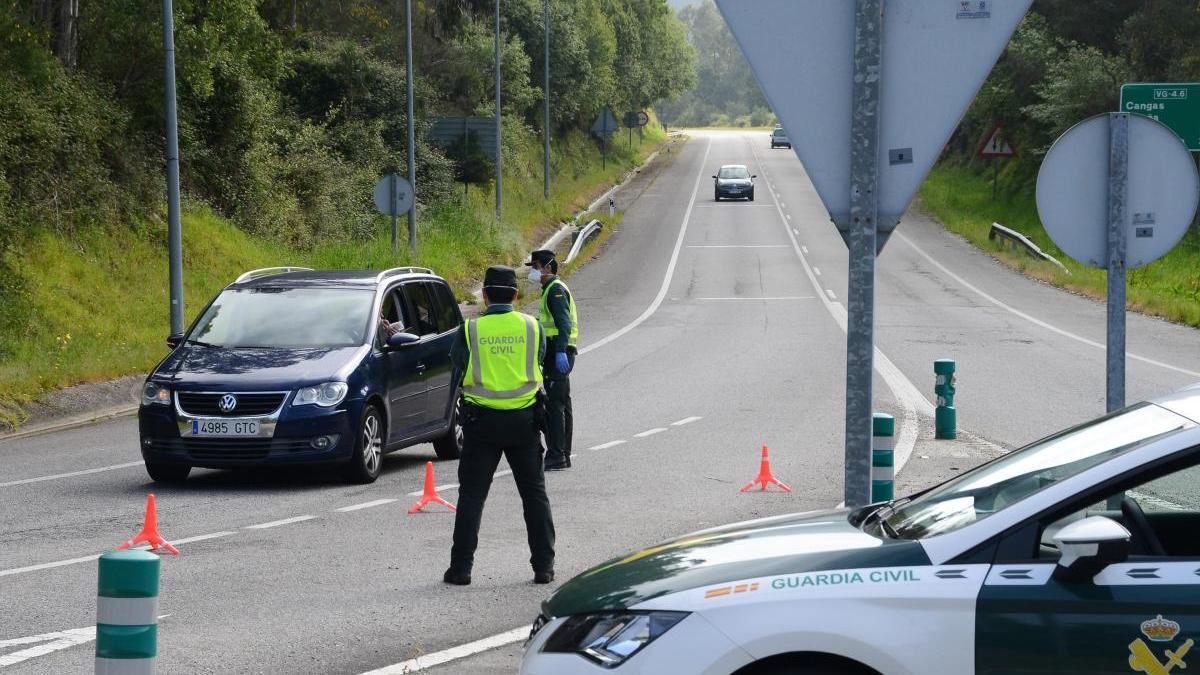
x,y
803,248
48,643
744,246
816,270
278,523
650,432
785,297
365,505
70,474
686,420
831,294
453,654
200,537
605,446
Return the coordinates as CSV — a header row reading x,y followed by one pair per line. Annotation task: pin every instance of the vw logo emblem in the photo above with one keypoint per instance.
x,y
228,403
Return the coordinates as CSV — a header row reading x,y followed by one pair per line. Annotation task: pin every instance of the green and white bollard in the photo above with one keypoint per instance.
x,y
945,417
127,613
883,460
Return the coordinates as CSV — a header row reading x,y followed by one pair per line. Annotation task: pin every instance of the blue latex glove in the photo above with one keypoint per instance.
x,y
562,363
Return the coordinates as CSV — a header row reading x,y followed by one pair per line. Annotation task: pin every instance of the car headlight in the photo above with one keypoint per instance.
x,y
154,393
325,395
610,639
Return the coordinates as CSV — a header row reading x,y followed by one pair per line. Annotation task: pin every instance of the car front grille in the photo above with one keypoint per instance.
x,y
248,404
230,449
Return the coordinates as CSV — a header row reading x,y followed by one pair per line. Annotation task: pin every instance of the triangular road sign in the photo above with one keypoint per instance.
x,y
605,125
936,55
996,146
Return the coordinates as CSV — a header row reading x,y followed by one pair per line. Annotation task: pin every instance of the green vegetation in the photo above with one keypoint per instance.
x,y
93,305
726,93
289,111
1169,288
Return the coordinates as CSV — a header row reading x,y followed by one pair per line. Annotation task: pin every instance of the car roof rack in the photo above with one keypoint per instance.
x,y
402,270
268,271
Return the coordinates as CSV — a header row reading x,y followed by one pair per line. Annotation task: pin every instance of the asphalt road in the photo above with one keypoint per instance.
x,y
708,330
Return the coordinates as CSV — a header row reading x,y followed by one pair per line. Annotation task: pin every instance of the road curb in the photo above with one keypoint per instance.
x,y
91,417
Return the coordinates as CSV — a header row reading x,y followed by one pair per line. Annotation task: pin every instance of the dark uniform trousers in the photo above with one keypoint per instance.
x,y
512,433
560,421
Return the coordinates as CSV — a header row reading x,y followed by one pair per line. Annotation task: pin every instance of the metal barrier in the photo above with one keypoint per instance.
x,y
1020,241
585,233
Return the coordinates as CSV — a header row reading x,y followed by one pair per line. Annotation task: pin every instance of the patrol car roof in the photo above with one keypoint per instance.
x,y
1184,402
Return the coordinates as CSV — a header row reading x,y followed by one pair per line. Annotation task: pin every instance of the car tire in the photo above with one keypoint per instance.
x,y
161,472
366,460
449,445
751,197
716,196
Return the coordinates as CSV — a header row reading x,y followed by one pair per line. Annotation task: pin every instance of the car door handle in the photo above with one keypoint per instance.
x,y
420,367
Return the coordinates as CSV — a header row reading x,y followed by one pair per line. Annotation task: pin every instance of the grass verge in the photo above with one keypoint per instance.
x,y
92,306
962,200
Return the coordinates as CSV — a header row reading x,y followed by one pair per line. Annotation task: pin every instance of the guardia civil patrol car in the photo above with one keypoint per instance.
x,y
1077,554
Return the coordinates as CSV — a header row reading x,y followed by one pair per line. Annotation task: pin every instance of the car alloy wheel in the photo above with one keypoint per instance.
x,y
449,445
367,459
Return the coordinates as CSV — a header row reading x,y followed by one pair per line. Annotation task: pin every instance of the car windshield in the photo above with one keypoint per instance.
x,y
286,318
780,132
1006,481
734,172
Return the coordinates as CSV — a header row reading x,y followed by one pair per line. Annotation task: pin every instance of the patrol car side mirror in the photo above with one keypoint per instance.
x,y
1088,546
403,340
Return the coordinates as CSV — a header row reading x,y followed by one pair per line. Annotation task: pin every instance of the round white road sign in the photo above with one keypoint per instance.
x,y
1072,191
393,195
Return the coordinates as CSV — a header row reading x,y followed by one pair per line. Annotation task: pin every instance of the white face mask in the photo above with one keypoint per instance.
x,y
535,276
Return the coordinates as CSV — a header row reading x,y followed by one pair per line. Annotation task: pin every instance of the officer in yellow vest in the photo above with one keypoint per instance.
x,y
498,354
560,321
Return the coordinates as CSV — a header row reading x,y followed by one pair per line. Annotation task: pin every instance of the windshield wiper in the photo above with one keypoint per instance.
x,y
886,511
202,344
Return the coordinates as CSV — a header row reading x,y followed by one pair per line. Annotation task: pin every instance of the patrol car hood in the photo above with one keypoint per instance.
x,y
791,544
195,366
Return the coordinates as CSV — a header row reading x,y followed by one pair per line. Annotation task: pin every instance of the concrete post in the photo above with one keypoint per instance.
x,y
127,613
883,462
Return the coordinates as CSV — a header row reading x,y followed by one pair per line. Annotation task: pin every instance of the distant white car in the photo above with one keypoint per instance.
x,y
1079,553
779,139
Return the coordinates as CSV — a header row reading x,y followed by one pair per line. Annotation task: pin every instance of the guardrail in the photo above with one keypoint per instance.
x,y
581,238
1020,241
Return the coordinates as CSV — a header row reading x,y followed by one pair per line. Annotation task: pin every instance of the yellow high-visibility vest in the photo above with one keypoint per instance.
x,y
502,368
547,319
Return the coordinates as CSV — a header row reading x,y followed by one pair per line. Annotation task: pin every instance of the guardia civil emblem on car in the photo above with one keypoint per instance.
x,y
1142,658
228,403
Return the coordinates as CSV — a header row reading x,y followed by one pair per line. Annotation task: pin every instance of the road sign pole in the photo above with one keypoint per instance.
x,y
1118,192
546,89
499,163
393,210
174,227
995,175
412,134
864,212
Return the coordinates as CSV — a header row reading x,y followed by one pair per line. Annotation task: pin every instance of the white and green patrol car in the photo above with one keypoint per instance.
x,y
1077,554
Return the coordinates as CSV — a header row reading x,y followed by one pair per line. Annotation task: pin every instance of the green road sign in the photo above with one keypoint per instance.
x,y
1175,105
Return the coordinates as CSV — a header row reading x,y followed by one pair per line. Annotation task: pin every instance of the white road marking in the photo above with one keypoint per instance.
x,y
832,296
786,297
605,446
789,216
365,505
803,248
454,653
455,486
816,270
1034,320
200,537
84,472
910,398
686,420
662,291
49,565
277,523
650,432
745,246
53,642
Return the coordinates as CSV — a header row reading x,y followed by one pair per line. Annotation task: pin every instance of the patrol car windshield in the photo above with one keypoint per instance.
x,y
731,172
1006,481
285,318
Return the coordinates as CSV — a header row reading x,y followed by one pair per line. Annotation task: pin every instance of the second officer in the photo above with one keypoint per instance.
x,y
560,321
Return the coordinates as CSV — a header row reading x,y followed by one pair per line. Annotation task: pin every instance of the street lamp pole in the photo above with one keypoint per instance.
x,y
546,116
174,228
412,134
499,163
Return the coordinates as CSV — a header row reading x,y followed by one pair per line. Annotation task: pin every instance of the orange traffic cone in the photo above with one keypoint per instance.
x,y
149,533
765,477
429,494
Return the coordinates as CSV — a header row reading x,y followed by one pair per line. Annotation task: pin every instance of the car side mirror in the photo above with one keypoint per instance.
x,y
174,339
1088,546
754,176
714,177
403,340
